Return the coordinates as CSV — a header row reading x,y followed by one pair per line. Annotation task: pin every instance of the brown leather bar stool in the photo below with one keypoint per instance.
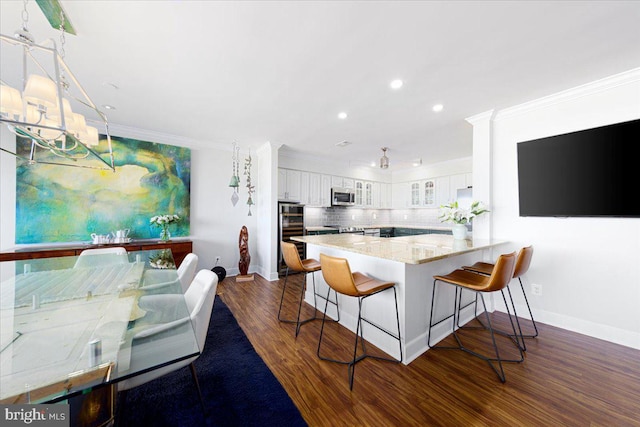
x,y
294,263
337,274
523,261
481,284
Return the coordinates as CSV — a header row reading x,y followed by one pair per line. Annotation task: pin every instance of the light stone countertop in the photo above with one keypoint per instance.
x,y
418,249
421,227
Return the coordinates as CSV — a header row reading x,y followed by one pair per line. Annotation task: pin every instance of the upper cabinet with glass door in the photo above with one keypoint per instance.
x,y
359,190
428,192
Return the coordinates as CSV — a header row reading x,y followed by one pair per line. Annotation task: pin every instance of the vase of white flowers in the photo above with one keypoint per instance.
x,y
460,217
163,221
162,259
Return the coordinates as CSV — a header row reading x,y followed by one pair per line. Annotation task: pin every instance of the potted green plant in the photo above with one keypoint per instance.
x,y
460,217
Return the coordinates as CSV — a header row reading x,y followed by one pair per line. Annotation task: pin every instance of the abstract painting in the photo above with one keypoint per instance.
x,y
66,204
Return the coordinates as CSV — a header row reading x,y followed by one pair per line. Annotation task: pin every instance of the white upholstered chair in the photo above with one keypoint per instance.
x,y
152,340
187,270
107,256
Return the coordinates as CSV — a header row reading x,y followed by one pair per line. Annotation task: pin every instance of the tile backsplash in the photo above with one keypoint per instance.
x,y
345,217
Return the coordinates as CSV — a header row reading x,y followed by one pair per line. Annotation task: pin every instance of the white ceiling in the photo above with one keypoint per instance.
x,y
251,72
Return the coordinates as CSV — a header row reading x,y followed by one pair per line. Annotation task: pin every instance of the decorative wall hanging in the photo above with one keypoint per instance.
x,y
235,177
250,188
55,206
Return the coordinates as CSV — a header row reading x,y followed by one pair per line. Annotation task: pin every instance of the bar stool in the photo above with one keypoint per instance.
x,y
523,261
462,279
337,274
294,263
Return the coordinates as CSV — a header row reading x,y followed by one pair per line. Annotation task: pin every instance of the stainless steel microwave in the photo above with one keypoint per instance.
x,y
343,197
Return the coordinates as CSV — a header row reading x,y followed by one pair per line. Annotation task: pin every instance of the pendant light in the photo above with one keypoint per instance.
x,y
38,108
384,160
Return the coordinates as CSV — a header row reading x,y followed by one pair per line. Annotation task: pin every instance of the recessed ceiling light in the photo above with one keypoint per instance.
x,y
437,108
342,115
109,107
396,84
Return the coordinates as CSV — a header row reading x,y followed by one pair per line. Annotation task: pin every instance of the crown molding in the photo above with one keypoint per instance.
x,y
588,89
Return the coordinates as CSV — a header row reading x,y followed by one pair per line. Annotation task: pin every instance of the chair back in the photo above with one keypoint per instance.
x,y
200,298
291,256
102,257
523,261
337,274
502,272
187,270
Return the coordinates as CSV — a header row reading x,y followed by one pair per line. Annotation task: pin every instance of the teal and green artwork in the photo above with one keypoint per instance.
x,y
67,204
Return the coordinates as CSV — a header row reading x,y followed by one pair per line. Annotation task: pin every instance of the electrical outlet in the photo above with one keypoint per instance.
x,y
536,289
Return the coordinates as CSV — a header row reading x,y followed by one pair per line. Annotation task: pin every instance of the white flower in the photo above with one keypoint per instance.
x,y
452,212
161,220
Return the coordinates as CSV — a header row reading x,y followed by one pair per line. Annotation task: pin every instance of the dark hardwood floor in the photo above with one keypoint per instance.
x,y
567,379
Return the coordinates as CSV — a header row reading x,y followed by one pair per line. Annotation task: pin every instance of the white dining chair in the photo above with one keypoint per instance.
x,y
156,279
150,339
101,257
187,270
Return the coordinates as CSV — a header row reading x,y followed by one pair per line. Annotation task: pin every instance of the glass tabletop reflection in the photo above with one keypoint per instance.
x,y
68,324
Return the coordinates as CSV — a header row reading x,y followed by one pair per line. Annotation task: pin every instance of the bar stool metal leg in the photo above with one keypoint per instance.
x,y
480,284
359,336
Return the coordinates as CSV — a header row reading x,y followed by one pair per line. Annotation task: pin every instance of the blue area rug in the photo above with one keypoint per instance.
x,y
238,388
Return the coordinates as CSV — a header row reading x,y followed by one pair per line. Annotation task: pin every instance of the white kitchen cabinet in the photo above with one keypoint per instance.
x,y
400,195
414,194
315,189
443,193
375,195
289,185
359,193
340,182
304,188
385,195
325,190
368,194
348,183
428,194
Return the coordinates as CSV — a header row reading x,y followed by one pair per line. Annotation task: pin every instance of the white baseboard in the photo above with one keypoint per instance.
x,y
596,330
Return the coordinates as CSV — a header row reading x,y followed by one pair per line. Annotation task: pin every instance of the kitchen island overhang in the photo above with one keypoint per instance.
x,y
411,262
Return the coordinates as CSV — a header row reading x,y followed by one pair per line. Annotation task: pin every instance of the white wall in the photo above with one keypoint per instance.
x,y
589,268
215,223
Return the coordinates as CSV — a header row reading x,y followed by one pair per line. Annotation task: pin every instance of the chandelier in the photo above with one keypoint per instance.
x,y
38,105
384,160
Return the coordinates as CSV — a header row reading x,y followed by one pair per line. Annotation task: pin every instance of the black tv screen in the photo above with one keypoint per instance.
x,y
591,173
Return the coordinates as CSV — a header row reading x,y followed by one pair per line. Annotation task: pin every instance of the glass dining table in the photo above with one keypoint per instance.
x,y
70,325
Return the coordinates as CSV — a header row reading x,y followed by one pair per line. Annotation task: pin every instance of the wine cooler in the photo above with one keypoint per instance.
x,y
291,223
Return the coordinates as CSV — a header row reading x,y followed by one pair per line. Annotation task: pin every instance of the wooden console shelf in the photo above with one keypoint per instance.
x,y
179,248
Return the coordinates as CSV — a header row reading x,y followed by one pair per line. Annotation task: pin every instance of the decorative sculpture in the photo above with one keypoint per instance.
x,y
245,256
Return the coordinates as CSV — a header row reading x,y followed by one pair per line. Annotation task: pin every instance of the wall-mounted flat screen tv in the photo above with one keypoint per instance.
x,y
588,173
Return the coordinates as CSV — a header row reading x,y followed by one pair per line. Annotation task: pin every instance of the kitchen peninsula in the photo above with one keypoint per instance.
x,y
409,261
